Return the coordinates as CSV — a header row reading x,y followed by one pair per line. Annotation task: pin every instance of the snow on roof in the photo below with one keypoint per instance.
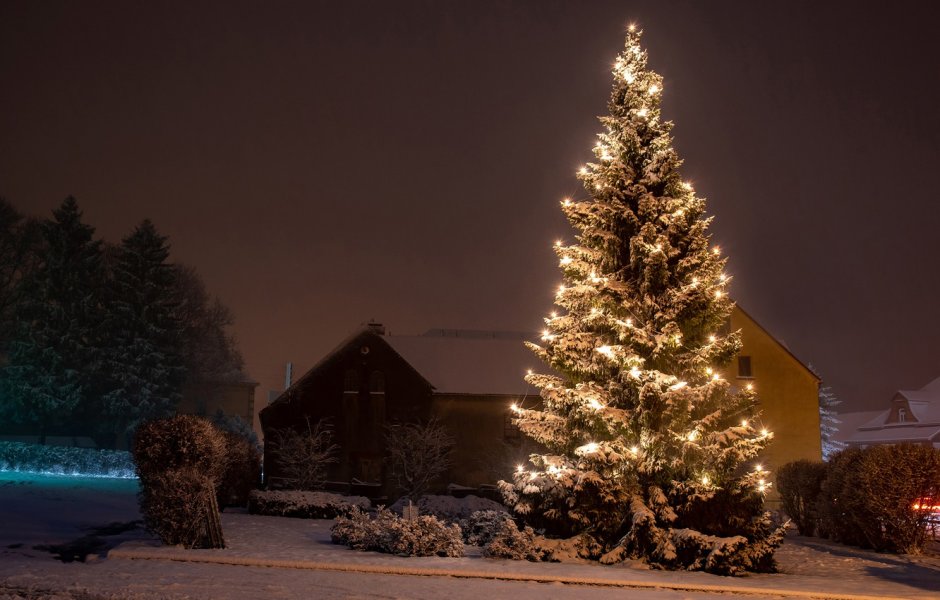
x,y
851,421
458,361
897,434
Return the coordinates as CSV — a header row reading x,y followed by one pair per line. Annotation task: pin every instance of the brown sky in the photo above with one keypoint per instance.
x,y
323,163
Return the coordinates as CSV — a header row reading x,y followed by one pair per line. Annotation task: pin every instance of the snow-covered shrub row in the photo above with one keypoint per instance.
x,y
881,497
304,505
389,533
448,508
65,460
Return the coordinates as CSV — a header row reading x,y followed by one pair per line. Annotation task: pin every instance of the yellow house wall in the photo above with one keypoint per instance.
x,y
788,394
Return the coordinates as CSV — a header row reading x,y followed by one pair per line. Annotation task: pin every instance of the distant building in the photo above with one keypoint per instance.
x,y
468,380
912,417
235,398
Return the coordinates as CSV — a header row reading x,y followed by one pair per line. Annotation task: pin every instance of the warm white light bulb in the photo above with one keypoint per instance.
x,y
634,450
764,432
743,422
605,350
519,468
634,372
705,479
565,260
711,339
582,171
528,372
514,407
750,387
653,89
692,436
718,294
643,112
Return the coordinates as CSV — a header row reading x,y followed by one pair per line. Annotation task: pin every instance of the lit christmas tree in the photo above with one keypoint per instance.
x,y
650,453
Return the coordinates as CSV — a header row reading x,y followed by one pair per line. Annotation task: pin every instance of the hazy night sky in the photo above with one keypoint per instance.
x,y
323,163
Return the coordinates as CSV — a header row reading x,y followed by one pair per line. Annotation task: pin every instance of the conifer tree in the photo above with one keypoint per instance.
x,y
649,451
829,422
54,355
144,333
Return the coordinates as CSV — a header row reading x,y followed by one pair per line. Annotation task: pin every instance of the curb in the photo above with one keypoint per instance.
x,y
156,554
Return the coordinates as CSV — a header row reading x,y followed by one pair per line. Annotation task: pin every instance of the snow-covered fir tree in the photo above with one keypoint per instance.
x,y
143,354
54,358
828,420
650,453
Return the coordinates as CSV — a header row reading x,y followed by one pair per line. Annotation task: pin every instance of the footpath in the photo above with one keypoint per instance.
x,y
810,568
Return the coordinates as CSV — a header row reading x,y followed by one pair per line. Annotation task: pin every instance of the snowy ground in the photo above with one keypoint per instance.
x,y
70,517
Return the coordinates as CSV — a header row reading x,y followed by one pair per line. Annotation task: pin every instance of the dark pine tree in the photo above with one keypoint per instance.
x,y
648,450
54,355
143,354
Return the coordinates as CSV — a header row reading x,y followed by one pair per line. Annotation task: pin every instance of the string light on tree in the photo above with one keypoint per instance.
x,y
635,363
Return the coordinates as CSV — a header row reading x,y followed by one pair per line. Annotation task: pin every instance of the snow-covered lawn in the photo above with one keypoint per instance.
x,y
275,557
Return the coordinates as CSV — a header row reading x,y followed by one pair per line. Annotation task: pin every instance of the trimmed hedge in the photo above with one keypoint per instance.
x,y
180,463
65,460
304,505
799,484
868,497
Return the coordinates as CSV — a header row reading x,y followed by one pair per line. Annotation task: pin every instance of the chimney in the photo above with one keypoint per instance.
x,y
376,327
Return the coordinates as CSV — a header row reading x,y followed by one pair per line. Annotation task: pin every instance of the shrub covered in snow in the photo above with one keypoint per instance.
x,y
304,505
65,460
242,470
799,484
175,504
482,526
179,442
180,462
880,497
389,533
508,541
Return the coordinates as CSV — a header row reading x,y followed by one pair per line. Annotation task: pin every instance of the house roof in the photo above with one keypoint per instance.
x,y
925,406
457,361
897,434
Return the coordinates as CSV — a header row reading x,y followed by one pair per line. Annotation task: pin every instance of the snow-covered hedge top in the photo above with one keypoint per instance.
x,y
301,499
449,508
65,460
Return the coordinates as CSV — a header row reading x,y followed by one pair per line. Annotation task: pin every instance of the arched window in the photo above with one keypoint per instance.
x,y
351,381
377,382
902,415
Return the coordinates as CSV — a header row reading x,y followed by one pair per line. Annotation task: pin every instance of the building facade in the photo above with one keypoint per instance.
x,y
469,379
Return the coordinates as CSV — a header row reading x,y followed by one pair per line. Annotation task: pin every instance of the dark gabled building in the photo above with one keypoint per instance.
x,y
467,379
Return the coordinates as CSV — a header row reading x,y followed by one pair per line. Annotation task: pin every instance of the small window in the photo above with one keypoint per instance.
x,y
744,367
902,415
351,381
510,431
377,382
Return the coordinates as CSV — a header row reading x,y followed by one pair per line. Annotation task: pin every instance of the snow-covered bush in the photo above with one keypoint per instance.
x,y
178,442
875,497
449,508
799,484
180,462
511,542
65,460
175,504
389,533
242,470
304,505
482,526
